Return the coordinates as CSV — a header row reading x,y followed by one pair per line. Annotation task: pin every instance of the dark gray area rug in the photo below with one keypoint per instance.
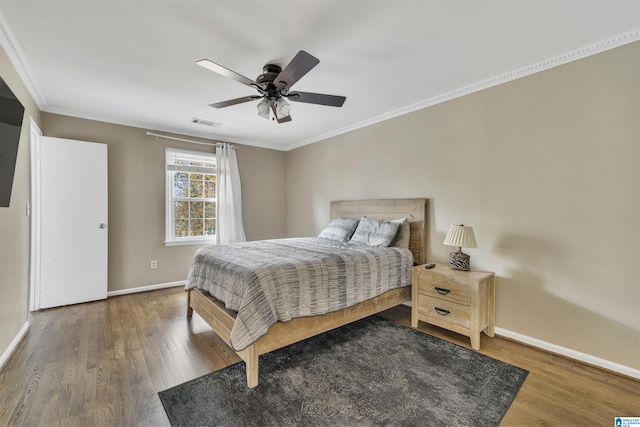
x,y
371,372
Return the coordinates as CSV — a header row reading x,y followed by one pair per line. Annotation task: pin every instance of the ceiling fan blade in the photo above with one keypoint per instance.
x,y
216,68
300,65
317,98
285,119
234,101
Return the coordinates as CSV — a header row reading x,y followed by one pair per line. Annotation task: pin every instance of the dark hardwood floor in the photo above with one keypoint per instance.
x,y
103,363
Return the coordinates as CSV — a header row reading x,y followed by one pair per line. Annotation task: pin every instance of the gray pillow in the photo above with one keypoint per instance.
x,y
404,234
375,232
340,229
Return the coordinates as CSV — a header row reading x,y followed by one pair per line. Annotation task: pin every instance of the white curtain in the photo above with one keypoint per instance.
x,y
229,227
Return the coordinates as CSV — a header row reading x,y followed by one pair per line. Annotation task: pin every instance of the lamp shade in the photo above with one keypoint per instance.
x,y
461,236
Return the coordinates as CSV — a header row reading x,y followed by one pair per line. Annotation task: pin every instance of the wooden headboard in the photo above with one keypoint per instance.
x,y
415,210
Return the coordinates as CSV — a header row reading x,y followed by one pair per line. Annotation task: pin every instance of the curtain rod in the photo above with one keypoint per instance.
x,y
217,144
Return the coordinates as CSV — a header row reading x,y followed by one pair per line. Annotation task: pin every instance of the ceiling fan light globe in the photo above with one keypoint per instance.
x,y
284,110
282,107
263,108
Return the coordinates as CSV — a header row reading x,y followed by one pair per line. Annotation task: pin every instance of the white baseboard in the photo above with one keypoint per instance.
x,y
572,354
567,352
145,288
13,345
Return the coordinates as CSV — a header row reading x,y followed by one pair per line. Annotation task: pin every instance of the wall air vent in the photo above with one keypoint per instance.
x,y
203,122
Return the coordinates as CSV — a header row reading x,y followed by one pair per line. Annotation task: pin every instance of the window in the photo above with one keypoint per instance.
x,y
190,197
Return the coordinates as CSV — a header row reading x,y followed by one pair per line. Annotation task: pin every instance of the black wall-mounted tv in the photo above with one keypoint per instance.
x,y
11,114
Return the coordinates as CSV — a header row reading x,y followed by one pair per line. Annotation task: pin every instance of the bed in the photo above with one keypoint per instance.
x,y
282,333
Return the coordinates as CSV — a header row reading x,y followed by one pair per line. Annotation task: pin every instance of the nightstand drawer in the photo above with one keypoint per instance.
x,y
453,292
445,311
447,275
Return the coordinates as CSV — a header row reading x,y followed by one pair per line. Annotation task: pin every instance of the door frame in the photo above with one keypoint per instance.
x,y
35,136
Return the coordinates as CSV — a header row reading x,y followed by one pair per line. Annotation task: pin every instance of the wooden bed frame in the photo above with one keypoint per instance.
x,y
283,334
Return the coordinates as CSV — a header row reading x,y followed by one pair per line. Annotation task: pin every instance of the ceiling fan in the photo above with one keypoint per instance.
x,y
274,84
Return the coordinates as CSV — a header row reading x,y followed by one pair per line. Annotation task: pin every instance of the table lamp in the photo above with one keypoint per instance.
x,y
462,237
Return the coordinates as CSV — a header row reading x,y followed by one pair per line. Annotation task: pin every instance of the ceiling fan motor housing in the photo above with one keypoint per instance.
x,y
265,80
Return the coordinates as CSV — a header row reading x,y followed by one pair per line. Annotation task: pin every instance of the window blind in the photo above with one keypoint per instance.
x,y
190,161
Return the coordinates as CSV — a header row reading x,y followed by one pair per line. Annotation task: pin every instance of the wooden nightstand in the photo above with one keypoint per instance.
x,y
461,301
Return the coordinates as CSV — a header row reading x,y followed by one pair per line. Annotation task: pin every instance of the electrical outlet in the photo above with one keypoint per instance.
x,y
153,264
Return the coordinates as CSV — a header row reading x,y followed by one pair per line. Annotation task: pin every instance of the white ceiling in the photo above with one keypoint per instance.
x,y
133,62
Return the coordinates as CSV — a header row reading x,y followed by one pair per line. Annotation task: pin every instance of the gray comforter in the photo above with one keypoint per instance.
x,y
277,280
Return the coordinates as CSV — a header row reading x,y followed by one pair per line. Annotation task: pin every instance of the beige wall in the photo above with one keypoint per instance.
x,y
546,169
136,198
14,223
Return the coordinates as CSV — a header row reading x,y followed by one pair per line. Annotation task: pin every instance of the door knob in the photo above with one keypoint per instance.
x,y
102,225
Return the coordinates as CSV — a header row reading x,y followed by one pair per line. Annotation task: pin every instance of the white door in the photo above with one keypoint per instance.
x,y
73,222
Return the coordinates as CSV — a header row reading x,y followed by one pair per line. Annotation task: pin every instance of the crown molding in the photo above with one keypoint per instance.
x,y
574,55
12,49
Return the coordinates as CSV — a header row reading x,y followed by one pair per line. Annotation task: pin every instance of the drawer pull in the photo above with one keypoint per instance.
x,y
442,291
442,311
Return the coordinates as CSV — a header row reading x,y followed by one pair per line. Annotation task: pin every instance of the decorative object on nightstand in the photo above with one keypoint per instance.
x,y
461,236
460,301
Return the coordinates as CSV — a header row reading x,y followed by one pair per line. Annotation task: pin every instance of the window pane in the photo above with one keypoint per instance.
x,y
181,188
209,227
182,210
196,189
210,190
209,210
182,228
195,228
197,210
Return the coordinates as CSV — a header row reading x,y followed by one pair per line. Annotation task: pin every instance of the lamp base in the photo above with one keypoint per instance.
x,y
459,261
